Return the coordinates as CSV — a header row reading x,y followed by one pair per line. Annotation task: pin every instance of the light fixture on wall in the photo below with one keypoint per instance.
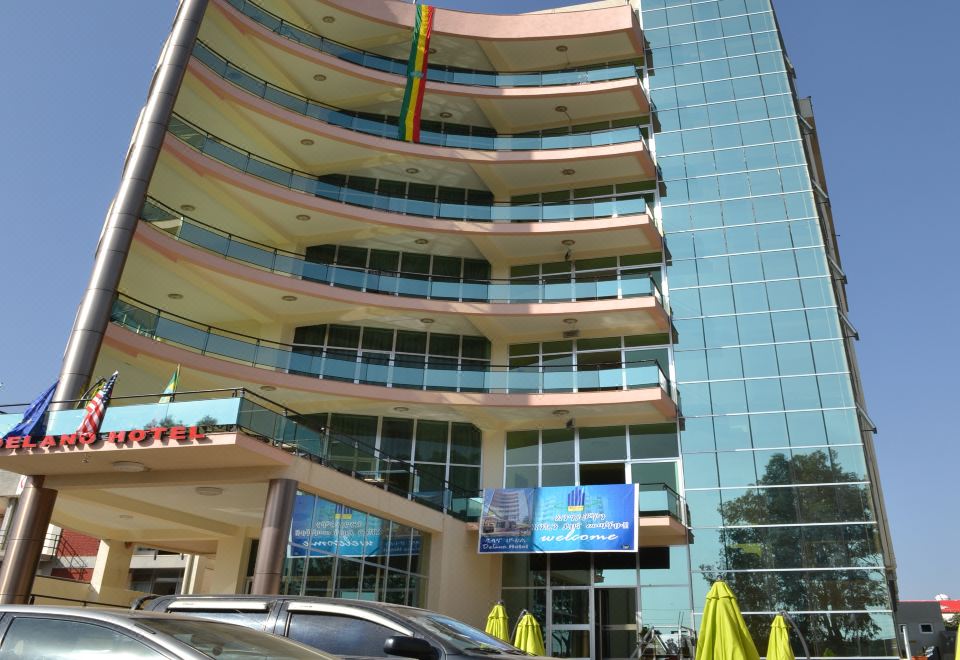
x,y
129,466
208,491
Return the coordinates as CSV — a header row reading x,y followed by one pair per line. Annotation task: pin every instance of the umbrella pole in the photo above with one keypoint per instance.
x,y
513,633
796,628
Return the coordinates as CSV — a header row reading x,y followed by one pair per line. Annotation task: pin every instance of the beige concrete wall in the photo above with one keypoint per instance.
x,y
70,593
461,583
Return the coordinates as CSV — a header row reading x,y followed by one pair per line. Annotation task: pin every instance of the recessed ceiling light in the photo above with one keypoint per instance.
x,y
561,48
570,321
303,217
568,171
412,170
561,108
400,409
426,321
288,298
421,241
568,242
175,296
268,388
328,19
188,208
129,466
446,115
307,142
561,412
209,491
319,77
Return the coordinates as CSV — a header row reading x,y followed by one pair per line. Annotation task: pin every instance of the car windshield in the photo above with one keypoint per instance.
x,y
225,641
460,635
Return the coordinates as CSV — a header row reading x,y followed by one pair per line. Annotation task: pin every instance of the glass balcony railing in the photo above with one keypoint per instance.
x,y
595,73
379,367
242,411
386,126
660,499
287,177
621,284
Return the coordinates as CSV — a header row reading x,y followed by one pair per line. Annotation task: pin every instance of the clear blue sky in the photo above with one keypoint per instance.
x,y
883,77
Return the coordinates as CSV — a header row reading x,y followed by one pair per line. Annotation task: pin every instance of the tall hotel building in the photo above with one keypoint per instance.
x,y
608,259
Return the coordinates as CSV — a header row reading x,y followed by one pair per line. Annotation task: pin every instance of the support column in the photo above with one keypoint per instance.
x,y
124,213
230,565
112,570
274,536
25,538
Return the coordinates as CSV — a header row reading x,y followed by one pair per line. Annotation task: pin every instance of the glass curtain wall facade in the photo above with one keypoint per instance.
x,y
775,470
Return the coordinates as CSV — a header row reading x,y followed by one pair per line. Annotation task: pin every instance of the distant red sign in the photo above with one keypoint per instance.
x,y
160,434
949,606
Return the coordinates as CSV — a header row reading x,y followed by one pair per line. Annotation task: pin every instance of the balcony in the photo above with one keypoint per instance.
x,y
386,126
308,377
283,286
281,134
619,285
326,187
235,421
381,368
269,51
435,73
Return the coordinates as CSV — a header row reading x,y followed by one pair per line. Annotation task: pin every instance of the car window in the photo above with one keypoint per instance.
x,y
34,638
339,634
228,642
250,619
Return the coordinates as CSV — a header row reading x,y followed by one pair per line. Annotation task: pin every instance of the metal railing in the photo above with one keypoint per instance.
x,y
324,187
386,126
625,282
239,410
387,369
438,73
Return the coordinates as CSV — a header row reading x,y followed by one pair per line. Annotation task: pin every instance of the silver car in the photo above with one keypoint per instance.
x,y
29,632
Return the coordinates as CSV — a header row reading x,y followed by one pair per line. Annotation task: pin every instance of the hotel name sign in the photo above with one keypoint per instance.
x,y
158,435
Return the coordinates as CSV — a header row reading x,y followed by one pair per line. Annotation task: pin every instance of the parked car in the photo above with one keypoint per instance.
x,y
347,627
33,632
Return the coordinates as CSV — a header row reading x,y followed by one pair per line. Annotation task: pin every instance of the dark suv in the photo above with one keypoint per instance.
x,y
351,628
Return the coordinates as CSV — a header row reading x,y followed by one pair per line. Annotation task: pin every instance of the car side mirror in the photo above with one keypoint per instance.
x,y
410,647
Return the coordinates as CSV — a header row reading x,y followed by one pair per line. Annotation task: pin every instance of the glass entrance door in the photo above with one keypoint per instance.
x,y
615,623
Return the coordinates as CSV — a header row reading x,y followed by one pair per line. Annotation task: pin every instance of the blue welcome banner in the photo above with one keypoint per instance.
x,y
559,519
328,527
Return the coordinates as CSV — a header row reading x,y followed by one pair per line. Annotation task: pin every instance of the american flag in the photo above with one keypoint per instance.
x,y
97,407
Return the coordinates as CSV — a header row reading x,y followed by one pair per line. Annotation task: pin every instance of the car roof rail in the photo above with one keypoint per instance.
x,y
138,602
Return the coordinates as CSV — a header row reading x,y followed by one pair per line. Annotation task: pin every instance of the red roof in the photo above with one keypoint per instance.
x,y
949,606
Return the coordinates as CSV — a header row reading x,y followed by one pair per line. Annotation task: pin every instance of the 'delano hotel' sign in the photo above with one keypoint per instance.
x,y
156,436
559,519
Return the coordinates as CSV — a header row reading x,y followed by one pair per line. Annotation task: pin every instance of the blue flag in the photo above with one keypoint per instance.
x,y
33,421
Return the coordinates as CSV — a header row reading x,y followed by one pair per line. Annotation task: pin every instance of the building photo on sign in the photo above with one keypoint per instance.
x,y
599,518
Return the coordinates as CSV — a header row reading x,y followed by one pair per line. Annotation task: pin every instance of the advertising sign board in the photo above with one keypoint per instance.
x,y
601,518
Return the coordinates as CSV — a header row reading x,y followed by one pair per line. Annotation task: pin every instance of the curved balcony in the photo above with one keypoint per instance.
x,y
622,284
436,73
325,187
386,126
379,368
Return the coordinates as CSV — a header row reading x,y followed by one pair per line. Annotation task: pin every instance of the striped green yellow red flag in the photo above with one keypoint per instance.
x,y
416,75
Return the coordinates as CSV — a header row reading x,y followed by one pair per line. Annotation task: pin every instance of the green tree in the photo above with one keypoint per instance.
x,y
753,552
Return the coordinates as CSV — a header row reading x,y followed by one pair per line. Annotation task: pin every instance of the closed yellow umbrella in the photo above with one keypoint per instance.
x,y
497,624
723,633
779,646
528,636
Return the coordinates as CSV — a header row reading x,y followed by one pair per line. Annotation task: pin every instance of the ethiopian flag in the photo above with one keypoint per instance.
x,y
416,75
